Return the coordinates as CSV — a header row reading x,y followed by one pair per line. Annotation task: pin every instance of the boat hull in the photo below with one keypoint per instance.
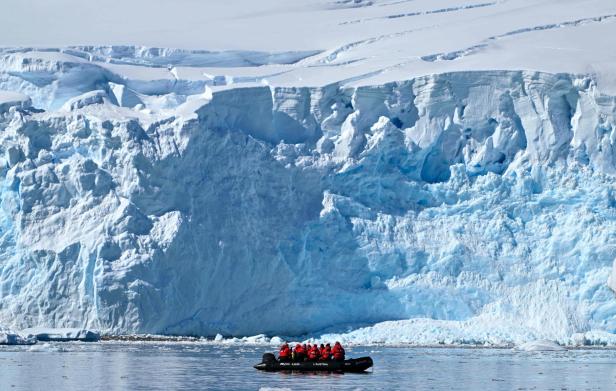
x,y
352,365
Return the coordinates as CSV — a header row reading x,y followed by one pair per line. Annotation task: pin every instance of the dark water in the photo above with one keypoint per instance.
x,y
192,366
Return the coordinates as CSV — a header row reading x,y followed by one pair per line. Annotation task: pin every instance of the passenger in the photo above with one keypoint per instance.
x,y
321,348
338,352
305,348
299,354
326,353
313,353
285,353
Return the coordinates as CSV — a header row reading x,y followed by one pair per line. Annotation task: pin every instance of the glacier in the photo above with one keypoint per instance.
x,y
395,179
478,197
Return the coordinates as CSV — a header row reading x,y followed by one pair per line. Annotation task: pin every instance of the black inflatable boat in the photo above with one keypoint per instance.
x,y
269,363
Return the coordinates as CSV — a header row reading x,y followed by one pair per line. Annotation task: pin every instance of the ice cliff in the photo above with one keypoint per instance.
x,y
482,201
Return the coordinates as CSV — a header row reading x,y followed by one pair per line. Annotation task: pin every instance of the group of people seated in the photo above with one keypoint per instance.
x,y
307,352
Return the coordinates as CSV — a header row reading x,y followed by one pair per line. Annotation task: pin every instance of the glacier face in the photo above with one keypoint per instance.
x,y
482,198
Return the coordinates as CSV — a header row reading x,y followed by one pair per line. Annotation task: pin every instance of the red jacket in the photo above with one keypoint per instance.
x,y
338,352
325,353
285,352
313,353
299,349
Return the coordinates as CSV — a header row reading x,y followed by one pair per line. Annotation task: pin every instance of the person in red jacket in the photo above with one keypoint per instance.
x,y
326,353
285,353
338,352
299,354
313,353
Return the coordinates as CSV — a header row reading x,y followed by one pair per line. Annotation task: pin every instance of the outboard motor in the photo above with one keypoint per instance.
x,y
268,358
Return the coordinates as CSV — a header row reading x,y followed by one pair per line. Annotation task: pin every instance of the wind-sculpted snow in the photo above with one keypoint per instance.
x,y
466,51
480,205
420,13
162,57
350,3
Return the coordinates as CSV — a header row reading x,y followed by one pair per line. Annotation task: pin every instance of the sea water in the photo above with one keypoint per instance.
x,y
198,366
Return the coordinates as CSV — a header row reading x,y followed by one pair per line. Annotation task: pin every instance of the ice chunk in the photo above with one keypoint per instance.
x,y
10,99
46,347
124,95
8,337
62,334
276,341
97,97
540,346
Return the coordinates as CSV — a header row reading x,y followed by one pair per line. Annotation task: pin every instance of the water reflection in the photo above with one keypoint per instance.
x,y
191,366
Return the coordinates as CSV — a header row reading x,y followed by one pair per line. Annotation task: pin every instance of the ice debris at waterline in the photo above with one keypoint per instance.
x,y
9,337
33,335
63,334
476,203
543,345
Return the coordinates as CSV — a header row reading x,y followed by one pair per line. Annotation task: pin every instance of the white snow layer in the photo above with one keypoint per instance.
x,y
393,178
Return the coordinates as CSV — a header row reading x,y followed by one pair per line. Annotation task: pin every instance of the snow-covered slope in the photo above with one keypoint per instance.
x,y
402,170
367,42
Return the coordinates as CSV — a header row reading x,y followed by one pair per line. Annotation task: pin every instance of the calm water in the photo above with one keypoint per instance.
x,y
190,366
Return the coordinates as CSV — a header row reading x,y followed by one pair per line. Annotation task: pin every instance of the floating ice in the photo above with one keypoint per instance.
x,y
46,347
62,334
9,337
540,346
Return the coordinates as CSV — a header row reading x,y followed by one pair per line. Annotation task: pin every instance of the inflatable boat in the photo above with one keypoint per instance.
x,y
269,363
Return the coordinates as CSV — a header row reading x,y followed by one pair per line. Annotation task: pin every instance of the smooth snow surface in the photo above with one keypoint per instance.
x,y
367,42
406,172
